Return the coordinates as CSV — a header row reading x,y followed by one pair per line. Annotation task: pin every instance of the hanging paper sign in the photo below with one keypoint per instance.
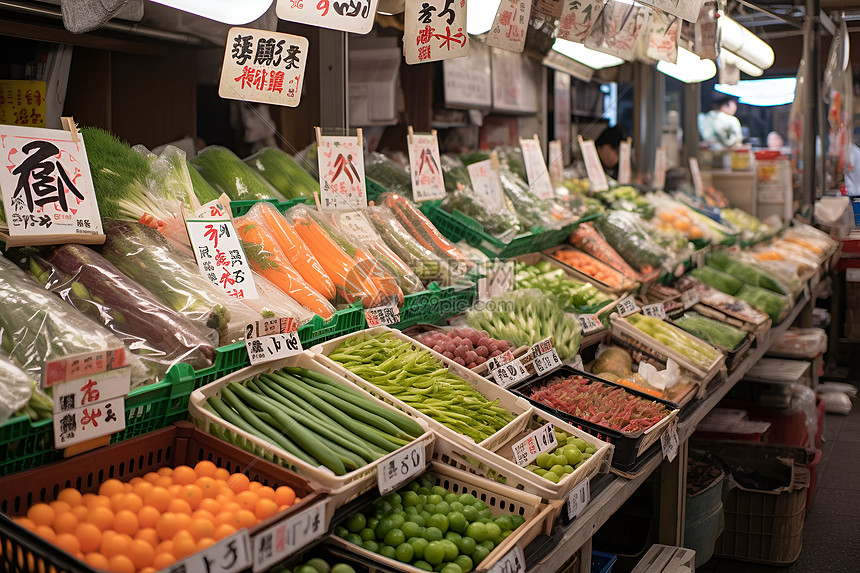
x,y
536,168
220,256
80,365
658,181
510,25
698,185
670,441
624,162
355,16
662,37
561,114
47,188
578,499
730,75
705,32
435,30
22,102
468,81
685,9
262,66
552,8
556,161
578,18
596,175
617,29
341,169
425,167
487,187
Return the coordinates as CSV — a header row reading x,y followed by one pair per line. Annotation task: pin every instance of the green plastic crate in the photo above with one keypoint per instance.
x,y
240,208
435,304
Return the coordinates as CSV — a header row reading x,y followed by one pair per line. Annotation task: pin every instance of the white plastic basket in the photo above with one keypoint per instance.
x,y
500,499
519,407
342,488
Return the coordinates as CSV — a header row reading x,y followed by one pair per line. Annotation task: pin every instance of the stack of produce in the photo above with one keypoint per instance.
x,y
719,300
586,237
573,295
227,174
419,379
318,565
625,198
389,174
760,289
700,354
150,522
310,416
712,331
283,173
526,317
465,346
429,528
644,250
751,228
565,459
594,268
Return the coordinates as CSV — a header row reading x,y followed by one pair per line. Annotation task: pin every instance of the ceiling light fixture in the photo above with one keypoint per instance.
x,y
591,58
690,68
226,11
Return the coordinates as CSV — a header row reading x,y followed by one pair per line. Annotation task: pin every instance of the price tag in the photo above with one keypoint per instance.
x,y
94,420
536,168
541,347
627,306
689,298
220,256
213,210
578,499
434,30
425,165
510,373
659,179
503,278
382,315
356,17
655,310
23,102
539,441
510,25
512,562
288,536
547,362
487,187
669,441
624,168
230,555
341,168
596,175
589,323
697,177
272,339
80,365
356,225
497,361
556,161
400,467
700,259
91,389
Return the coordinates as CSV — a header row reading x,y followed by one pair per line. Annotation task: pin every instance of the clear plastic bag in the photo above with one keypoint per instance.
x,y
388,173
159,335
800,343
16,388
722,302
628,235
273,302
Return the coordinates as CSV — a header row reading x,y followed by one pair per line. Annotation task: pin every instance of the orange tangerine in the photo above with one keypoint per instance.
x,y
46,533
175,490
65,522
205,468
163,481
221,488
60,506
111,487
70,495
163,560
184,520
126,521
141,553
114,544
147,534
202,514
246,518
265,508
210,505
165,471
96,560
42,514
148,570
254,485
285,495
116,501
81,512
205,542
68,543
223,531
179,506
157,497
227,518
96,501
247,500
266,492
120,564
201,528
207,486
167,525
184,475
232,507
184,545
25,522
101,517
142,487
191,494
238,482
147,516
151,477
89,536
164,547
221,474
131,502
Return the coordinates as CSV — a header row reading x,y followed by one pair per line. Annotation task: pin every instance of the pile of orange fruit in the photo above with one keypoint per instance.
x,y
150,522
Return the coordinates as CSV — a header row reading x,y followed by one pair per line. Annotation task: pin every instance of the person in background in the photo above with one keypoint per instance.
x,y
775,141
720,127
607,145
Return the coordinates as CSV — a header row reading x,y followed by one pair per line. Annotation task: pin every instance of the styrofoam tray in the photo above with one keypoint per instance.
x,y
500,465
343,488
500,499
520,408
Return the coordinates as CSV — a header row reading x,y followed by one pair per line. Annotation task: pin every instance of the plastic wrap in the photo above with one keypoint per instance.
x,y
674,216
268,259
628,236
592,267
364,236
675,338
719,280
227,174
531,210
145,256
427,265
388,173
746,272
723,302
750,227
273,302
159,335
36,327
776,306
358,278
800,343
586,237
810,238
712,331
283,173
16,388
574,295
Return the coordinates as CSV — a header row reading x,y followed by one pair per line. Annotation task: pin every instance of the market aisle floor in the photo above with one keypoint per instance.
x,y
831,536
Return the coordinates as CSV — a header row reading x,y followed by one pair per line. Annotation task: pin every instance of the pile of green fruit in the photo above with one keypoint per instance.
x,y
556,465
429,527
317,565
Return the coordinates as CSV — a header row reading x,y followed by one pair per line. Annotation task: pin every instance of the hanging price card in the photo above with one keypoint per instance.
x,y
262,66
541,440
354,16
425,166
536,168
47,188
230,555
341,169
578,18
556,161
627,306
272,339
689,298
400,467
434,30
220,256
655,310
589,323
487,187
509,374
512,562
658,181
578,499
624,168
669,441
596,175
510,25
698,185
382,316
288,536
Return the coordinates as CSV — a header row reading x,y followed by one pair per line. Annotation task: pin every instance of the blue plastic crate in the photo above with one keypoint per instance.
x,y
602,562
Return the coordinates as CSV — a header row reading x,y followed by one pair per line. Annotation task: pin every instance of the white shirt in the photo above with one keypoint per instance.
x,y
718,127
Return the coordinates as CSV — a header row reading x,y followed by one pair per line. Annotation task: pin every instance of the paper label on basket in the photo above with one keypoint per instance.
x,y
536,169
541,347
669,441
487,187
539,441
655,310
288,536
627,306
596,174
90,389
272,339
689,298
698,185
509,374
400,467
624,168
231,554
424,162
497,361
578,498
341,169
512,562
220,256
83,364
87,422
214,209
546,362
356,226
589,323
382,316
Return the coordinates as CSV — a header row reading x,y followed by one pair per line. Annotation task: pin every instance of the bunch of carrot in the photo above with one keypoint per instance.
x,y
590,266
